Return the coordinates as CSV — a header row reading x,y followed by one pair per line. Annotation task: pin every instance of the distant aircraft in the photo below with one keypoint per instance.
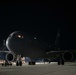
x,y
21,44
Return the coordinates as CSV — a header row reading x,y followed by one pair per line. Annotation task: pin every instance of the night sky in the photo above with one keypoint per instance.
x,y
41,19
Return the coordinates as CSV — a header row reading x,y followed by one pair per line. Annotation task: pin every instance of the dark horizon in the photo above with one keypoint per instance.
x,y
41,20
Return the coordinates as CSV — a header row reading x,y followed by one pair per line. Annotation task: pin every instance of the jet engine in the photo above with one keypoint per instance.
x,y
10,56
67,56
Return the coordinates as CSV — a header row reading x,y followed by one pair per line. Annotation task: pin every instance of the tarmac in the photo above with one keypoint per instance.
x,y
40,69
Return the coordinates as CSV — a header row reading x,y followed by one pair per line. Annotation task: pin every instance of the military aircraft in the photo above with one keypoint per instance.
x,y
21,44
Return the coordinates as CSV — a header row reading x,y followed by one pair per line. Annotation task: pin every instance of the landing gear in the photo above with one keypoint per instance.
x,y
6,63
19,63
31,63
60,62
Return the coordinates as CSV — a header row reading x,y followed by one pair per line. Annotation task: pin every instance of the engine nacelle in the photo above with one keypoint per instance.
x,y
67,56
10,57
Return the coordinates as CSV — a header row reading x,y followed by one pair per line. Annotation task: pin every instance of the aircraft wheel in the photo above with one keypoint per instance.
x,y
2,64
31,63
62,62
10,64
20,63
17,64
58,62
